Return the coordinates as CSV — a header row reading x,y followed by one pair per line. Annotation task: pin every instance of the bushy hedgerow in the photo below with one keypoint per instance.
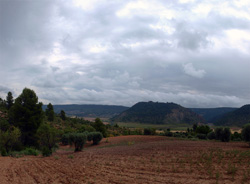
x,y
201,136
236,136
149,131
211,135
223,134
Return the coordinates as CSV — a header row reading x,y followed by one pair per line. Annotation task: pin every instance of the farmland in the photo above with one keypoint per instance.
x,y
135,159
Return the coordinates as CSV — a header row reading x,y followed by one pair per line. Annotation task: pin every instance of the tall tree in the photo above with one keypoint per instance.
x,y
50,112
9,100
27,114
62,115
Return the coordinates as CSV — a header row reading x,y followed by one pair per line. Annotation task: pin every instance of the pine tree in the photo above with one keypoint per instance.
x,y
50,112
26,114
9,100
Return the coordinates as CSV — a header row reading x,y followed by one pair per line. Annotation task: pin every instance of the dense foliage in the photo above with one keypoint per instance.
x,y
238,117
27,115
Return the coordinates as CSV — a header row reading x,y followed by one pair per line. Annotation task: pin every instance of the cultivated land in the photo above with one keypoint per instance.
x,y
135,159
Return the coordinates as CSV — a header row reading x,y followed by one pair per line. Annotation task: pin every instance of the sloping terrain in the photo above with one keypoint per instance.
x,y
158,113
135,159
238,118
212,114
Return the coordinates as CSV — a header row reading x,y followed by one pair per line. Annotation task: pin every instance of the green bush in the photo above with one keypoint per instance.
x,y
4,152
169,134
65,139
203,129
78,139
201,136
223,134
30,151
47,137
211,135
246,133
97,137
149,131
46,152
236,136
90,136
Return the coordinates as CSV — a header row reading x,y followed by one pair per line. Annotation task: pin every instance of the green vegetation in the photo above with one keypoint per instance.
x,y
50,112
27,114
238,117
246,133
175,127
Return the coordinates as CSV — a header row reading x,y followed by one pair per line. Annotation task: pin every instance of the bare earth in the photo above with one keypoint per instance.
x,y
135,159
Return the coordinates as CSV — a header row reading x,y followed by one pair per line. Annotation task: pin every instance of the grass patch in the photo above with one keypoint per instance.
x,y
174,127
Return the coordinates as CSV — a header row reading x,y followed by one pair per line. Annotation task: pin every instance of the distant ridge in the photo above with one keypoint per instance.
x,y
238,117
211,115
104,111
158,113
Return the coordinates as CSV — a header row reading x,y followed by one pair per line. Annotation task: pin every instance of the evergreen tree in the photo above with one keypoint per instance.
x,y
50,112
100,127
26,114
63,115
9,100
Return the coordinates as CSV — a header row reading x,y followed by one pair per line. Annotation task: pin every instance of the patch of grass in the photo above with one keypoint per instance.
x,y
27,151
56,157
174,127
71,156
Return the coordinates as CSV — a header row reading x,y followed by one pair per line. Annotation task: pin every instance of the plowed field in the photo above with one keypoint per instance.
x,y
135,159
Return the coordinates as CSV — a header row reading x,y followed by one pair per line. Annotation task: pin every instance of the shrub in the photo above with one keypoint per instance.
x,y
4,152
100,127
46,152
246,133
9,138
65,139
201,136
90,136
149,131
226,135
30,151
47,137
203,129
218,133
78,139
236,136
211,135
168,134
97,137
223,135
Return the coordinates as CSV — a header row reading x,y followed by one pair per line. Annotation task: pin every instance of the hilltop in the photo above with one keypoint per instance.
x,y
158,113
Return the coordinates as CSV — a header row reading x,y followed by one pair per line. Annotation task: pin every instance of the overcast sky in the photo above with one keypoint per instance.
x,y
192,52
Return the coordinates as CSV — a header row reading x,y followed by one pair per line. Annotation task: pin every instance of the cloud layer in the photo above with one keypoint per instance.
x,y
195,53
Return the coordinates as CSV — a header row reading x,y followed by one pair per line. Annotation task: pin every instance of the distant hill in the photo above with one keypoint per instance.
x,y
211,115
104,111
238,117
158,113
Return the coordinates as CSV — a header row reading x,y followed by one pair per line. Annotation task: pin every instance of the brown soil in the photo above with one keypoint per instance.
x,y
135,159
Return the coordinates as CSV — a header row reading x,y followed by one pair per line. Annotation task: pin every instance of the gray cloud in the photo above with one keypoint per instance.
x,y
121,52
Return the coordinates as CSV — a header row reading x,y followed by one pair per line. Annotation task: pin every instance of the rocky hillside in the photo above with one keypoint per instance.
x,y
158,113
238,118
211,115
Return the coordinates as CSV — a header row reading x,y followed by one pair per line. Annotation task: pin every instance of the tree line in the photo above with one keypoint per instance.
x,y
24,124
